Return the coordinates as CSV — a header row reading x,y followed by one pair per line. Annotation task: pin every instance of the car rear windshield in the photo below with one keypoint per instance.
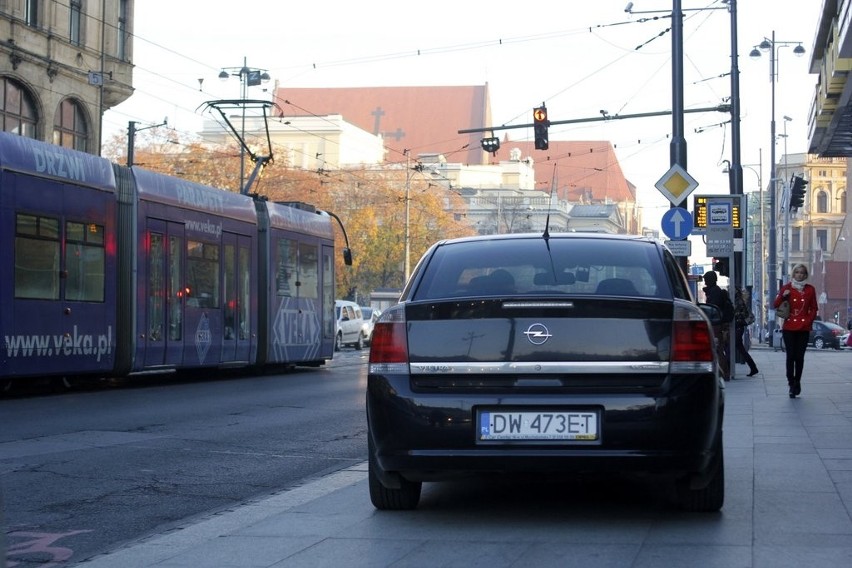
x,y
547,267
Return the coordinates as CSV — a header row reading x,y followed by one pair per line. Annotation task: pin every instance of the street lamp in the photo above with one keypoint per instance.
x,y
772,46
785,201
249,77
407,266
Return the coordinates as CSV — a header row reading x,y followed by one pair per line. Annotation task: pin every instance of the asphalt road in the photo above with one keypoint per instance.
x,y
85,469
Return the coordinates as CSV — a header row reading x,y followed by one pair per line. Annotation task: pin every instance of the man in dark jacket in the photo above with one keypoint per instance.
x,y
719,298
743,318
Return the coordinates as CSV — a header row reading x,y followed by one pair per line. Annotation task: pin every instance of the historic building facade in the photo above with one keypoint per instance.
x,y
63,65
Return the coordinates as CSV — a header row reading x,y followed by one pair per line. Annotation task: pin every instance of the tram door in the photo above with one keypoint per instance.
x,y
164,294
236,288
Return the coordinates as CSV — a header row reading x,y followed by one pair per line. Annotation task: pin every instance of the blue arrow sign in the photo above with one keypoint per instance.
x,y
677,223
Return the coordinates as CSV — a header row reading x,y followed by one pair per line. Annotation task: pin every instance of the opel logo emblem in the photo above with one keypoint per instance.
x,y
537,334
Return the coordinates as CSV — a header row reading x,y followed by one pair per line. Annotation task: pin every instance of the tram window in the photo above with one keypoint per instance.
x,y
175,290
230,292
36,257
156,287
328,319
84,262
202,274
245,291
287,267
308,272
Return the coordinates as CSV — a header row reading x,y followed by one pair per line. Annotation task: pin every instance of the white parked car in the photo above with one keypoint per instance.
x,y
349,325
370,316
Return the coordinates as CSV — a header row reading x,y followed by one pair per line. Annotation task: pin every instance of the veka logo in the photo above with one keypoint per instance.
x,y
537,334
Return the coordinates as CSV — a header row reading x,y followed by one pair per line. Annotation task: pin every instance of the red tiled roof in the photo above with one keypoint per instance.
x,y
426,120
422,120
585,170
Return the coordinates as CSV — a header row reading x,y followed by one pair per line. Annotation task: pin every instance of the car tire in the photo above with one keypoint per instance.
x,y
708,499
405,498
338,342
819,343
359,345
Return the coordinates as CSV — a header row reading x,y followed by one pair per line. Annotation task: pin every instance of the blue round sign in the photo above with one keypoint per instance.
x,y
677,223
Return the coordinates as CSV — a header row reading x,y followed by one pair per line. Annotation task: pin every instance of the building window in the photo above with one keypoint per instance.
x,y
796,239
822,239
843,202
31,12
70,128
122,31
75,33
17,109
822,202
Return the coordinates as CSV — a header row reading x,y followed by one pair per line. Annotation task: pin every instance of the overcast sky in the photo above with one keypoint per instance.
x,y
577,56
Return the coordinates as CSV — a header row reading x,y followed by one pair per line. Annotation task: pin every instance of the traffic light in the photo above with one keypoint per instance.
x,y
540,124
491,144
722,265
797,192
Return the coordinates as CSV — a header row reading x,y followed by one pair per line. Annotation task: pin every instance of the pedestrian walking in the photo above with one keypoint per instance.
x,y
719,298
797,326
742,319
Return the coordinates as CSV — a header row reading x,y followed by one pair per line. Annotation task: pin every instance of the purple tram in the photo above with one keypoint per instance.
x,y
116,271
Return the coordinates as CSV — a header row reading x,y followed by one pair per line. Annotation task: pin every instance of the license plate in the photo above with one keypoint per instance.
x,y
577,425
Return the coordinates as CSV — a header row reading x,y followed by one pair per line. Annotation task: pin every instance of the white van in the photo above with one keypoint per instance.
x,y
349,325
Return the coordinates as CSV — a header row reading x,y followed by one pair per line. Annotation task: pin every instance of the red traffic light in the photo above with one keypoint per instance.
x,y
540,124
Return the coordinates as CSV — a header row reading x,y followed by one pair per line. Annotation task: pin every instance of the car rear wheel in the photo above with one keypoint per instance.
x,y
359,345
404,498
708,499
819,343
338,342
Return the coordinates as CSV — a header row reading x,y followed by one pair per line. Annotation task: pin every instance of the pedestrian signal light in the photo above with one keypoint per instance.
x,y
540,124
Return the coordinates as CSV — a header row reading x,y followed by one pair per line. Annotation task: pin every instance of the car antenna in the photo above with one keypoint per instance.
x,y
546,234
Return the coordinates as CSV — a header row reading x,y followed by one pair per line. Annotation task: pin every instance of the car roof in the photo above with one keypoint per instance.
x,y
577,235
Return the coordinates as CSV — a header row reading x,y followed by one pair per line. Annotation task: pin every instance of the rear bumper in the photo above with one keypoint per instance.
x,y
430,436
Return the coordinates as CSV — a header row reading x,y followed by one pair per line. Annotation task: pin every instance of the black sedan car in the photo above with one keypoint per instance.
x,y
545,353
826,335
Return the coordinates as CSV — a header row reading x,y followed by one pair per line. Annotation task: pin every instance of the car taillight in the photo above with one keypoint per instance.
x,y
389,347
693,341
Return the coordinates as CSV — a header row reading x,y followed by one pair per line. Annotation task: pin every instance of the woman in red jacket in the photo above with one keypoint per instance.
x,y
797,327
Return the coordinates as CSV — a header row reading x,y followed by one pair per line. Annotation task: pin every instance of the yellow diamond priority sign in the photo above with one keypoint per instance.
x,y
676,184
